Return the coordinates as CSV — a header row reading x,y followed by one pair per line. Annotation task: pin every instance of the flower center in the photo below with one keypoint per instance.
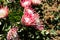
x,y
2,12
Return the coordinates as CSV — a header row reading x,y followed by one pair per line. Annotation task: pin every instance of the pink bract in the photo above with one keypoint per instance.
x,y
39,27
29,11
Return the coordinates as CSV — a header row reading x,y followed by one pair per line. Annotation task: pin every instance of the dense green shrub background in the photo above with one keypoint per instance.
x,y
49,12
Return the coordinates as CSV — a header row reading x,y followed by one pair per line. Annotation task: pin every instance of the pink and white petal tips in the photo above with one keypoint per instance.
x,y
39,27
25,3
25,20
35,2
4,12
39,24
12,33
29,11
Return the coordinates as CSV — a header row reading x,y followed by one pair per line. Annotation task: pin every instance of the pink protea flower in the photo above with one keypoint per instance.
x,y
25,3
29,18
12,34
36,2
3,12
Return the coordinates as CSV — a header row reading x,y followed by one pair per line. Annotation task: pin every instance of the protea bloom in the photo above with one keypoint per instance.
x,y
3,12
36,2
29,18
25,3
12,34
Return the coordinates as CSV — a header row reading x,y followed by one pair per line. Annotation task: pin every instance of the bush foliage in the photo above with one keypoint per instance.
x,y
49,11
